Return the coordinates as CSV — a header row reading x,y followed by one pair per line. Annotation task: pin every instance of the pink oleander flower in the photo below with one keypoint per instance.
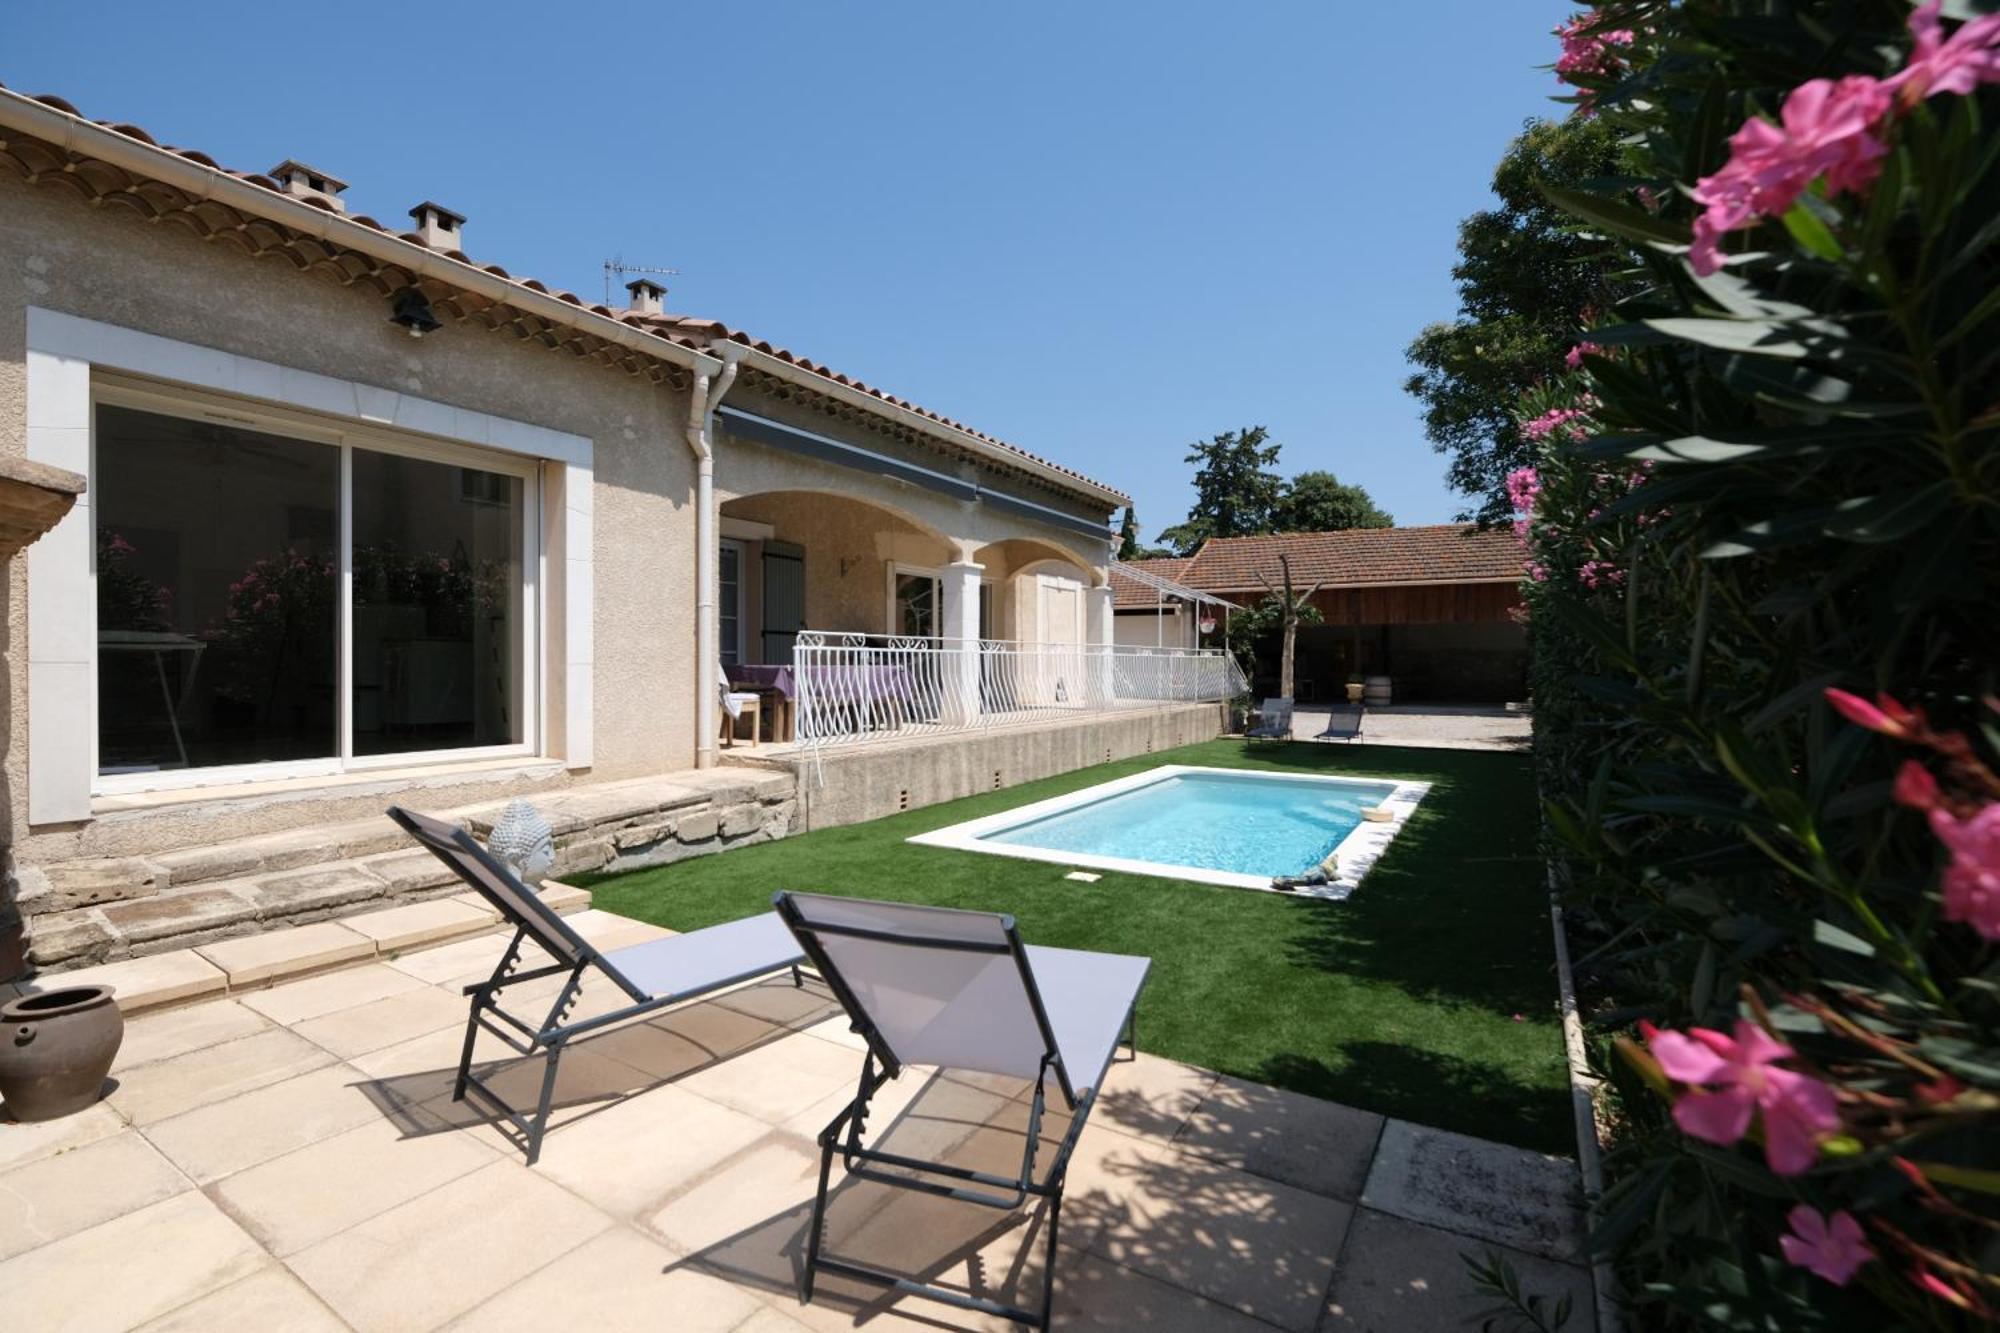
x,y
1546,425
1955,64
1828,128
1574,359
1972,880
1600,574
1523,485
1915,787
1885,715
1731,1079
1831,1246
1538,572
1587,51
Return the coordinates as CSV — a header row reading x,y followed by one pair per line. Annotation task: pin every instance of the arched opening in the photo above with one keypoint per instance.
x,y
1035,591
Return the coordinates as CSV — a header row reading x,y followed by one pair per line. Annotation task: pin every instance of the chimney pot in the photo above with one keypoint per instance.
x,y
438,226
306,182
648,297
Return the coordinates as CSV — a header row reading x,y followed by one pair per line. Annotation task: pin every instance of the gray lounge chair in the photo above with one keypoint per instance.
x,y
655,974
1274,721
959,990
1344,723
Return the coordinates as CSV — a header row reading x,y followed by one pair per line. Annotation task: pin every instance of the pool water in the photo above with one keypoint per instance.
x,y
1261,825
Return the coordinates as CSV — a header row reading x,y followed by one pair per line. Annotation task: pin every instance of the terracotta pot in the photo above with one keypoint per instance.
x,y
1354,688
56,1048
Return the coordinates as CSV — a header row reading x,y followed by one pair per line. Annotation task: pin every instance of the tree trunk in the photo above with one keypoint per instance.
x,y
1291,631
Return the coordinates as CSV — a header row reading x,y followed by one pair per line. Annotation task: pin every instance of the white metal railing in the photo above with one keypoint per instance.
x,y
849,688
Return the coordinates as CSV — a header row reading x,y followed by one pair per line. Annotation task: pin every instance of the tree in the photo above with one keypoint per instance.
x,y
1319,502
1524,272
1128,536
1235,492
1292,611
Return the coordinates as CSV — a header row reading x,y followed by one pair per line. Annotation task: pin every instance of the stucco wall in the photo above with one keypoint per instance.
x,y
102,265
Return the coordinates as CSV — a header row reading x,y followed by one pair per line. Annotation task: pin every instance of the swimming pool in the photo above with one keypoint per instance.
x,y
1239,827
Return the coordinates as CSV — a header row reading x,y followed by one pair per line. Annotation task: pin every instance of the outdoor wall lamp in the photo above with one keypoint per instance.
x,y
413,313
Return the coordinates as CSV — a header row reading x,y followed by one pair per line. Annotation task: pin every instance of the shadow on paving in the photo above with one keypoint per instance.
x,y
1167,1220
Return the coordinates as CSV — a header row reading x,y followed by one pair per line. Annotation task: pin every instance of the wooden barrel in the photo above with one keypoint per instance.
x,y
1375,692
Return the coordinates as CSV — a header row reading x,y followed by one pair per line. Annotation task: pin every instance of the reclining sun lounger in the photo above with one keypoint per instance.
x,y
935,986
1343,723
1274,721
655,974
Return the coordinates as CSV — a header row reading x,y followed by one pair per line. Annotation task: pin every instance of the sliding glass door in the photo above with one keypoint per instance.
x,y
273,597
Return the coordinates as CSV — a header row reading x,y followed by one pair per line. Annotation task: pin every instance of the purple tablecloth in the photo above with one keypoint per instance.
x,y
863,683
777,678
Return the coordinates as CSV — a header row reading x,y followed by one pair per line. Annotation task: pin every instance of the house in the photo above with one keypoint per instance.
x,y
367,520
1435,608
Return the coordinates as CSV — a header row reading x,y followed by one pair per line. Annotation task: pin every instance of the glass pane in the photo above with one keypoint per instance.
x,y
216,560
916,605
437,605
731,610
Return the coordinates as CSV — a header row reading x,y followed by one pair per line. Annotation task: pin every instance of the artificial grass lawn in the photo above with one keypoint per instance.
x,y
1429,994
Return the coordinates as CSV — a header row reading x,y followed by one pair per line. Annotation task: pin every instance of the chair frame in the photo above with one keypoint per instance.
x,y
551,1035
844,1133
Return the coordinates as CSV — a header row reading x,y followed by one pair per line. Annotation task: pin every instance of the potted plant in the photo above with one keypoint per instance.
x,y
1354,687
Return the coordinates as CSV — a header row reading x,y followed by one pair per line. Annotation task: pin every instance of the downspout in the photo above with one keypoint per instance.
x,y
703,399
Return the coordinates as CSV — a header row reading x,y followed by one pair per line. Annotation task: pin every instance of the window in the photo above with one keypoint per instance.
x,y
217,576
276,593
436,605
730,612
913,603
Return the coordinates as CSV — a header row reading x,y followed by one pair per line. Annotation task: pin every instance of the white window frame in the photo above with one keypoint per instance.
x,y
74,363
891,627
193,405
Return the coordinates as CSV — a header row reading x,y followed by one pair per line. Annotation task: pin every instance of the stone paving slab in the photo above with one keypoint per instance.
x,y
133,1268
1284,1136
147,983
1511,1196
1396,1274
282,953
418,925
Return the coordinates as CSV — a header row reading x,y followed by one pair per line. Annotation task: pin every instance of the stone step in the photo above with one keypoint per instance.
x,y
252,962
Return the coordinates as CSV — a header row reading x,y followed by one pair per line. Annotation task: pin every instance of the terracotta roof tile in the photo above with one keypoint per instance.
x,y
1358,557
685,331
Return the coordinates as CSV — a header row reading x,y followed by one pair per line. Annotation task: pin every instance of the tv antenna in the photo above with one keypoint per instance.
x,y
616,267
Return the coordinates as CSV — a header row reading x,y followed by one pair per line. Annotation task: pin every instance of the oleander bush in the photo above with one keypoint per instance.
x,y
1763,535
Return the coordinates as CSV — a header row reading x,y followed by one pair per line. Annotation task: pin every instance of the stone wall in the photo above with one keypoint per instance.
x,y
103,909
868,782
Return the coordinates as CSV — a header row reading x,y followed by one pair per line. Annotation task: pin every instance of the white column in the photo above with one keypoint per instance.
x,y
959,628
1098,633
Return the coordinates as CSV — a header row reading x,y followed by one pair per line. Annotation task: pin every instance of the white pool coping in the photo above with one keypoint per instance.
x,y
1348,862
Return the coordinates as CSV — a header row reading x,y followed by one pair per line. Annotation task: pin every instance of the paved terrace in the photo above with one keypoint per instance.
x,y
289,1158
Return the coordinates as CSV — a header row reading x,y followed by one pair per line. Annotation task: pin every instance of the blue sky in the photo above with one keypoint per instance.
x,y
1098,231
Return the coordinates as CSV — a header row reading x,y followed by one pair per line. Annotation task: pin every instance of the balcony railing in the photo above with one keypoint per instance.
x,y
856,688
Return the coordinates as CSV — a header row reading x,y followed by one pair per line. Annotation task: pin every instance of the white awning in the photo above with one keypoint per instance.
x,y
1171,588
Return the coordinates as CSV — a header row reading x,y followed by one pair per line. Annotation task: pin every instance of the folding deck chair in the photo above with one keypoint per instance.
x,y
1344,723
656,974
954,989
1274,721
